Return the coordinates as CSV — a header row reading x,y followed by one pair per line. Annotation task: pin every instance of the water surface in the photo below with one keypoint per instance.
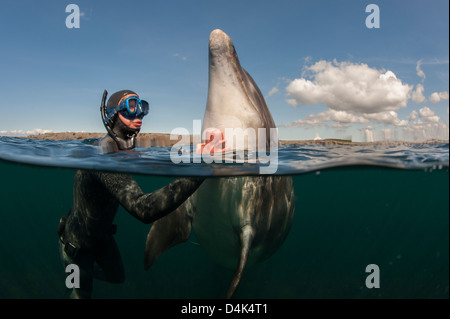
x,y
355,205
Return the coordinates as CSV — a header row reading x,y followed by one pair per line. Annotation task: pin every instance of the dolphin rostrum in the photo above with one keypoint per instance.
x,y
238,220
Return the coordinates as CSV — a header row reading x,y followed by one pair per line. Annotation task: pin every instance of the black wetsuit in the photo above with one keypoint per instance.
x,y
87,232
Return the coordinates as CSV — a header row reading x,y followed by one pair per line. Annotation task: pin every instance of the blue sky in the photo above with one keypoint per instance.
x,y
322,71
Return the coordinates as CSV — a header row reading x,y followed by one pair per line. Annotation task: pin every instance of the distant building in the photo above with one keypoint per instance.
x,y
369,135
318,138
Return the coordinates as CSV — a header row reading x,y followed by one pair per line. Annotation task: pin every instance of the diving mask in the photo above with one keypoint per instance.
x,y
130,106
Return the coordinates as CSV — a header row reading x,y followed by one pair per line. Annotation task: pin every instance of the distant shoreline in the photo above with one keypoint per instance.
x,y
163,139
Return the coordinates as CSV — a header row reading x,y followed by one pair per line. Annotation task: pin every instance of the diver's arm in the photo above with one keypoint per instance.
x,y
152,206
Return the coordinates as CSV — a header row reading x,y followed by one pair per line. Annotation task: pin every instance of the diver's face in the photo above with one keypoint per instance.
x,y
132,105
134,124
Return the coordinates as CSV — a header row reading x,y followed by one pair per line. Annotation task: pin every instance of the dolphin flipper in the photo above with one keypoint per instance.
x,y
247,234
167,232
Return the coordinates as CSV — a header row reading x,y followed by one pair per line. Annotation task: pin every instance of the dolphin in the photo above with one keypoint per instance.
x,y
238,220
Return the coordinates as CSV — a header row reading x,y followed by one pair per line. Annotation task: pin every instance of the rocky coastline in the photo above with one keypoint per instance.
x,y
163,139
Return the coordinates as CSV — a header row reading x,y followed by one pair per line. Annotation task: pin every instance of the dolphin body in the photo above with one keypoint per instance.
x,y
238,220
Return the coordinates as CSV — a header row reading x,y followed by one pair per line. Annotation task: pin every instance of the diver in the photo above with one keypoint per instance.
x,y
86,233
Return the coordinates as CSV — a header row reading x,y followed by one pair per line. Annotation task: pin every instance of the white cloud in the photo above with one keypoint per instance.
x,y
86,16
292,102
350,87
420,73
417,95
437,97
272,91
341,125
320,119
425,125
412,116
389,117
426,112
428,115
421,131
361,95
22,133
182,57
344,119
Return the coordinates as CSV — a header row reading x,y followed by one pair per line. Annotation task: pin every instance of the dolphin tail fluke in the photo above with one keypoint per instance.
x,y
167,232
246,243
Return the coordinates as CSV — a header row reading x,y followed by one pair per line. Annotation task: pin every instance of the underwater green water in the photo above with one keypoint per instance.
x,y
345,219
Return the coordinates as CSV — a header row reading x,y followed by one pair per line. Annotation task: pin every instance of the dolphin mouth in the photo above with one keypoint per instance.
x,y
219,43
223,56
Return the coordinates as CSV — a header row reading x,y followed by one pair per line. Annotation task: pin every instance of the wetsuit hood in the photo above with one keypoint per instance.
x,y
124,136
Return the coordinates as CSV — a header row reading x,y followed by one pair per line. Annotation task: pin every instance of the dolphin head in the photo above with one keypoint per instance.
x,y
221,46
234,100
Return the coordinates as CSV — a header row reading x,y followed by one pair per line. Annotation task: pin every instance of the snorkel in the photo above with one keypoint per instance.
x,y
114,126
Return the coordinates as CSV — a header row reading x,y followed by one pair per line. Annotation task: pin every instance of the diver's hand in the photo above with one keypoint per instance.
x,y
215,143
